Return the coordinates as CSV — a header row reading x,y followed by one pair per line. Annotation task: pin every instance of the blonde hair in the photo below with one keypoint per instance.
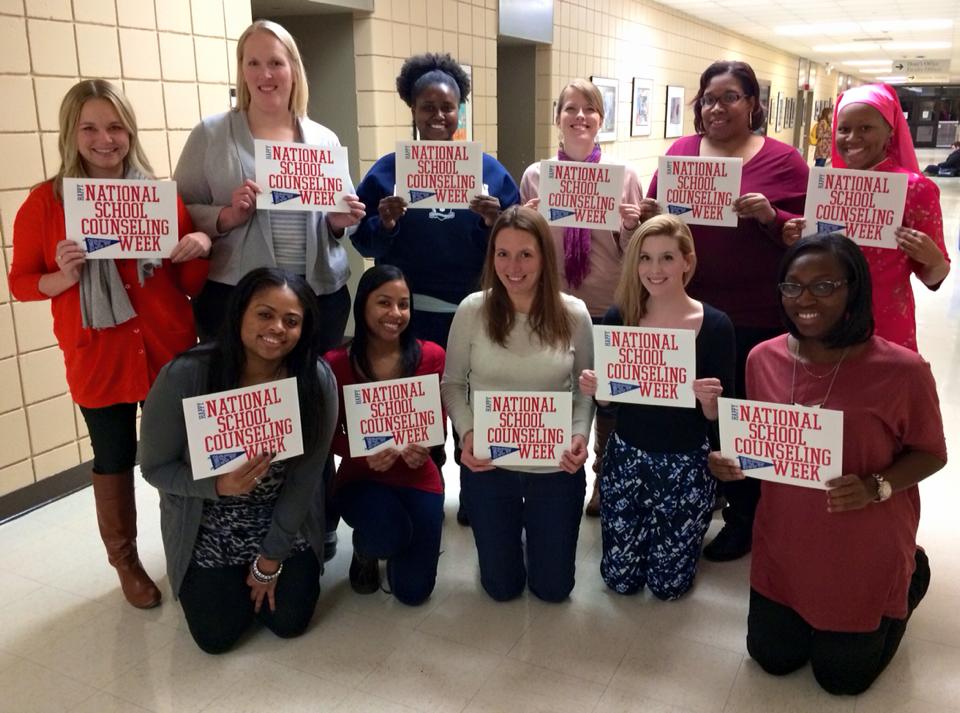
x,y
588,89
299,95
631,296
548,318
71,162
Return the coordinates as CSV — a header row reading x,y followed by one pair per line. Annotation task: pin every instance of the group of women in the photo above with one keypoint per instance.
x,y
492,298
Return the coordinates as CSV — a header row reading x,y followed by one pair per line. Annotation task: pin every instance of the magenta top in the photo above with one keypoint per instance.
x,y
737,267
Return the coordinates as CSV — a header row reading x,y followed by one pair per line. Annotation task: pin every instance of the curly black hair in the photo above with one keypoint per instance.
x,y
423,70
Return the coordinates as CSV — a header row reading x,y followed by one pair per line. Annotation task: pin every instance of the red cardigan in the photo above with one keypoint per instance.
x,y
427,476
115,365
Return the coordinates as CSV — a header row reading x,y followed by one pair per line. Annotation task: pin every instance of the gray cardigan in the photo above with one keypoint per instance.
x,y
165,463
217,158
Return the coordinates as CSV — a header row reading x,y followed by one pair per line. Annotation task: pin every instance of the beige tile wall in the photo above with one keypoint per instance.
x,y
623,39
174,60
399,28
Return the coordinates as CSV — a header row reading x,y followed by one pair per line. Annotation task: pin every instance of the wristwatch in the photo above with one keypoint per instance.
x,y
884,489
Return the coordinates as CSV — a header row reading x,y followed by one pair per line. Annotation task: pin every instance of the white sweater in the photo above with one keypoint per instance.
x,y
476,363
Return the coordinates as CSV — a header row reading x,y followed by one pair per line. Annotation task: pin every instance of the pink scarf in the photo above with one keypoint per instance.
x,y
883,98
576,241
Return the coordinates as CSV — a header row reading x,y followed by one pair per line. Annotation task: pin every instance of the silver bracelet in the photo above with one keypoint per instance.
x,y
262,577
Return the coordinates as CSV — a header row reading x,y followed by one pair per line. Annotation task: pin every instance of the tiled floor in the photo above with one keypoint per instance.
x,y
69,643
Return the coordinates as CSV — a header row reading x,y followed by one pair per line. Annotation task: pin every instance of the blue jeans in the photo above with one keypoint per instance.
x,y
401,526
502,504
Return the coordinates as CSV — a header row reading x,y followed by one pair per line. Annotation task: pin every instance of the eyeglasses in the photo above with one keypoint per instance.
x,y
825,288
727,99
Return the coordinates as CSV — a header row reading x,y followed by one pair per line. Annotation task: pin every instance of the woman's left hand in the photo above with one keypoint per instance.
x,y
918,246
260,591
850,492
414,456
338,222
629,216
190,247
707,391
755,205
487,206
573,459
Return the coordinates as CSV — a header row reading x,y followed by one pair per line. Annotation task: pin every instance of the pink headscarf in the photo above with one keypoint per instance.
x,y
883,98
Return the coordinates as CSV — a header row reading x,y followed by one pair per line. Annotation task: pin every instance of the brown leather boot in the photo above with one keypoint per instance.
x,y
117,518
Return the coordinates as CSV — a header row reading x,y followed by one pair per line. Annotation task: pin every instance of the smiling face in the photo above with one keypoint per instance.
x,y
725,121
815,317
102,140
435,112
862,136
518,261
271,326
662,266
577,118
267,72
387,312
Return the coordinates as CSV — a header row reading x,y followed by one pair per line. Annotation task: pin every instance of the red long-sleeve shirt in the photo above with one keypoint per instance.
x,y
118,364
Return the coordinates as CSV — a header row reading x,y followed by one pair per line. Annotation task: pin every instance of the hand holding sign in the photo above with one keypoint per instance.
x,y
70,258
477,465
356,210
918,246
382,461
793,230
850,492
755,205
391,209
243,204
487,207
245,477
575,456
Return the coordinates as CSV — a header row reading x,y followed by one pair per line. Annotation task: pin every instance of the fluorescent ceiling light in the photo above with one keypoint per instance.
x,y
872,46
874,71
859,28
864,62
891,80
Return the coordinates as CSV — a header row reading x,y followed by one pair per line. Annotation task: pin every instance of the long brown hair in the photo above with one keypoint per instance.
x,y
548,318
631,296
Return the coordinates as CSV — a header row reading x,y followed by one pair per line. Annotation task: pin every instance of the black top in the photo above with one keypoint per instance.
x,y
671,429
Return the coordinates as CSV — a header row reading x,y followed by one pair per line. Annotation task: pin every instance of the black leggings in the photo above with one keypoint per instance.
x,y
113,437
216,602
843,663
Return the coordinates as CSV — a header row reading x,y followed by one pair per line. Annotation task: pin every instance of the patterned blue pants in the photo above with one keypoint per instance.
x,y
654,512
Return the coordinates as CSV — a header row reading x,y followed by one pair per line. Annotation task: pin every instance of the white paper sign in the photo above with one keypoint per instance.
x,y
120,218
393,414
228,428
522,427
302,176
796,445
576,194
865,206
699,191
638,365
439,174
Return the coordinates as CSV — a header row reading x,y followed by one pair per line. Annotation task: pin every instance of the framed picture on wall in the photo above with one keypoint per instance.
x,y
642,108
610,91
764,99
673,125
778,123
788,103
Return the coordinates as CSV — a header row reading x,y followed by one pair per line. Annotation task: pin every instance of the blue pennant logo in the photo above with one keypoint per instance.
x,y
219,459
417,196
282,196
622,387
830,227
678,209
374,441
751,464
501,451
94,244
557,214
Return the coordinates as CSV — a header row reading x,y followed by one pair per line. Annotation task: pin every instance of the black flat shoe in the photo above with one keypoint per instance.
x,y
364,574
731,543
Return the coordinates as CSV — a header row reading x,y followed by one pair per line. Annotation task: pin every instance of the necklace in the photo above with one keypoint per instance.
x,y
834,371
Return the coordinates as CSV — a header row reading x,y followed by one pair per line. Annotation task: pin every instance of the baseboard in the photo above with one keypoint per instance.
x,y
24,500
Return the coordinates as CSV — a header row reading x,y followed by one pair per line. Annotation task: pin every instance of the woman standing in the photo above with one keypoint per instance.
x,y
824,140
124,318
726,111
657,493
863,528
216,174
588,260
245,544
521,333
393,499
871,134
